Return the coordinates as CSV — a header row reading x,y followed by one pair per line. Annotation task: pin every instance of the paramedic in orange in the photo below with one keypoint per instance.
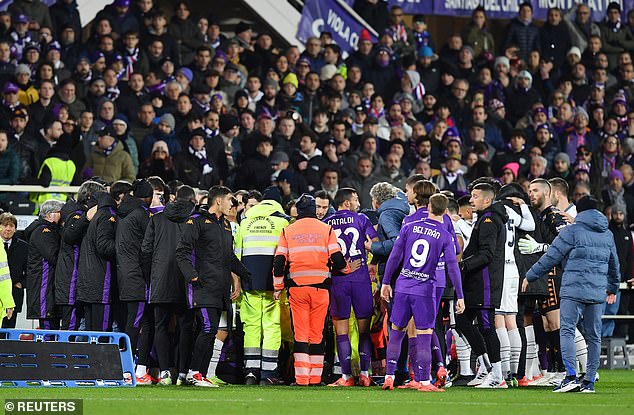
x,y
308,251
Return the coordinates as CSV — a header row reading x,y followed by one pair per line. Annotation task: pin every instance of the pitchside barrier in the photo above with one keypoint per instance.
x,y
55,358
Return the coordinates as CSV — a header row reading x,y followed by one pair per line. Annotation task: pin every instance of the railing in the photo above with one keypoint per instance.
x,y
18,188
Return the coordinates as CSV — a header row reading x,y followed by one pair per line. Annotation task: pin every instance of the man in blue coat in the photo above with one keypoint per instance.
x,y
590,262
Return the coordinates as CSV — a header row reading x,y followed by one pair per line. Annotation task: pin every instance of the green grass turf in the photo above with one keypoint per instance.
x,y
615,395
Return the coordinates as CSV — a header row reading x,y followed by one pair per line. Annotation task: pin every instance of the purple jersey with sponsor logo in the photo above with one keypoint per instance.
x,y
417,251
351,229
447,224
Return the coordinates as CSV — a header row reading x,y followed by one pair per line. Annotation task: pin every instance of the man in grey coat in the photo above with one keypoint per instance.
x,y
590,262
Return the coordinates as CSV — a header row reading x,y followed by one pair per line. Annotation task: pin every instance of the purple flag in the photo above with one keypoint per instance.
x,y
330,16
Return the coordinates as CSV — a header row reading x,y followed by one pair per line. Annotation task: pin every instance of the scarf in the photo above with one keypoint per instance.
x,y
110,149
113,93
422,39
131,57
211,133
615,27
202,159
398,32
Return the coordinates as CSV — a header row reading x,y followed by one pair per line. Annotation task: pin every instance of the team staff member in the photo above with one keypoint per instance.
x,y
256,240
167,287
309,250
482,269
44,239
584,288
7,304
205,257
17,251
74,223
134,215
96,284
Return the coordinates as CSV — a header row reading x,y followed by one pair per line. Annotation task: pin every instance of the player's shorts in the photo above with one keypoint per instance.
x,y
344,294
439,297
510,289
551,302
423,309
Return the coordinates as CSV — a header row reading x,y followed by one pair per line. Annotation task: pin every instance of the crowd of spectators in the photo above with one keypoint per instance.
x,y
146,94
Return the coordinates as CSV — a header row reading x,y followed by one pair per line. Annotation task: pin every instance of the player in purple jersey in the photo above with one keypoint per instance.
x,y
353,289
417,252
422,190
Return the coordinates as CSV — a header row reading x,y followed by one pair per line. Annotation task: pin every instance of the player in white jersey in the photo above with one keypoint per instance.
x,y
512,196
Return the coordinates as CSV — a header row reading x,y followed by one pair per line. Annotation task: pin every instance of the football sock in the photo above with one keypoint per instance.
x,y
141,370
365,351
437,359
505,349
215,358
582,351
463,351
516,349
393,350
344,351
422,369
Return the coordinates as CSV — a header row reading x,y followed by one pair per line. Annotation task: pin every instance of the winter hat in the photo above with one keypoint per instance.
x,y
616,174
306,205
414,78
169,120
227,122
496,104
291,78
242,27
574,51
160,145
186,72
513,167
120,118
327,72
586,203
580,111
562,156
504,61
141,188
365,36
270,83
525,74
272,193
22,68
582,167
427,52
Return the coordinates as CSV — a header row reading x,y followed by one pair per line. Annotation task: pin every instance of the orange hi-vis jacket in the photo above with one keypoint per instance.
x,y
307,245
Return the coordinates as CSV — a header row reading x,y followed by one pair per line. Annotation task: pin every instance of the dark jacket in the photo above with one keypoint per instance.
x,y
63,13
190,171
73,230
255,173
524,262
158,253
44,239
134,215
483,260
97,267
10,170
17,256
205,254
623,242
526,37
587,252
391,215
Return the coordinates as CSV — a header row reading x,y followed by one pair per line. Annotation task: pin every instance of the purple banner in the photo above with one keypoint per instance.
x,y
507,9
413,6
330,16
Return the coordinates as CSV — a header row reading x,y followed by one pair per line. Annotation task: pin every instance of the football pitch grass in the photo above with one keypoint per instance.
x,y
615,395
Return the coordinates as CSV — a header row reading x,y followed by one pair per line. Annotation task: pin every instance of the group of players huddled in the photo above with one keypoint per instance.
x,y
162,267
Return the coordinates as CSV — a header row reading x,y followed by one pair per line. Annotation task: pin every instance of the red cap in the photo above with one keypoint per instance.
x,y
365,35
